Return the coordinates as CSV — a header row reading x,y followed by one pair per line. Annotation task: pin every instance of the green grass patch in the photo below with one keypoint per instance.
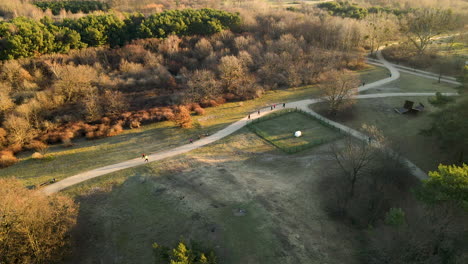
x,y
278,129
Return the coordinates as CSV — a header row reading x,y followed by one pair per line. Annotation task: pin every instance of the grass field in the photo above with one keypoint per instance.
x,y
280,129
372,74
196,196
86,155
403,131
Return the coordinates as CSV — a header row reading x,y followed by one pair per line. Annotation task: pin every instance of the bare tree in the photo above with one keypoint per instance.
x,y
424,24
353,158
114,102
202,85
231,71
380,27
74,81
20,131
338,90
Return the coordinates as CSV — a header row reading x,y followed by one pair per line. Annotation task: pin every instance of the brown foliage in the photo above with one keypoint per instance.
x,y
199,111
39,146
3,137
182,117
35,227
7,158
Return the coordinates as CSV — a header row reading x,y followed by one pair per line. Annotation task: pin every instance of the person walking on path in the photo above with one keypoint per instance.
x,y
191,141
258,112
146,158
249,117
284,105
143,155
274,106
271,108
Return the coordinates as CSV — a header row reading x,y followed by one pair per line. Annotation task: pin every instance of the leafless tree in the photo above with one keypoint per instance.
x,y
338,90
424,24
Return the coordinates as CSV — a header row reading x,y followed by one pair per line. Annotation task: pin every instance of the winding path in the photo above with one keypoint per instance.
x,y
303,105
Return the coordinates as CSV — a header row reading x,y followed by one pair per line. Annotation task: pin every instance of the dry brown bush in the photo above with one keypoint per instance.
x,y
3,137
115,130
134,124
39,146
37,155
106,120
15,148
199,111
90,135
182,117
7,158
35,227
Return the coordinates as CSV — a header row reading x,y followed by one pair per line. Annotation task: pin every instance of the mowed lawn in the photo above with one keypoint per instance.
x,y
280,130
197,196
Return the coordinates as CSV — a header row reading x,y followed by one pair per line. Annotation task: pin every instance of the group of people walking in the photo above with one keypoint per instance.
x,y
273,106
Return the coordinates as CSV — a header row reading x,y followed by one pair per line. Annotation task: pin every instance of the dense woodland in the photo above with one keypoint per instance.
x,y
54,98
66,74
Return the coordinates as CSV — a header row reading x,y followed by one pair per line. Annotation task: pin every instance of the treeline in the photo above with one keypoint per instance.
x,y
97,92
23,37
72,6
352,10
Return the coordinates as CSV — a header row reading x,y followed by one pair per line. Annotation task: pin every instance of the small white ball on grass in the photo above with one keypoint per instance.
x,y
297,133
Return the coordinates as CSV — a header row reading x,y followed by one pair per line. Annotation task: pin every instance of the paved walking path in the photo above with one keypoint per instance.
x,y
303,104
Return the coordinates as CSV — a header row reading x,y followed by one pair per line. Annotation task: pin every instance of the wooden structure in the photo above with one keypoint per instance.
x,y
408,108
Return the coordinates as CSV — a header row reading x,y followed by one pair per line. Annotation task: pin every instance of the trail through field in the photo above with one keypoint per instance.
x,y
302,104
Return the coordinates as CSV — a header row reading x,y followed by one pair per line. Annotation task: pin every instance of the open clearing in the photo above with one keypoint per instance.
x,y
196,196
279,131
403,131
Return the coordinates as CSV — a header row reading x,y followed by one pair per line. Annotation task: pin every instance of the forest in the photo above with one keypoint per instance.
x,y
74,70
24,37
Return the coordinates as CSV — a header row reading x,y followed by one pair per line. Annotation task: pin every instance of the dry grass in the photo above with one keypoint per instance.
x,y
197,195
404,131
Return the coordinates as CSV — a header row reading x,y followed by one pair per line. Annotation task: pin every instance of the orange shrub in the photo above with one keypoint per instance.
x,y
15,148
105,120
199,111
135,124
115,130
7,158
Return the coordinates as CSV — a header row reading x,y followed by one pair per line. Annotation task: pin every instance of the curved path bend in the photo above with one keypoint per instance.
x,y
303,105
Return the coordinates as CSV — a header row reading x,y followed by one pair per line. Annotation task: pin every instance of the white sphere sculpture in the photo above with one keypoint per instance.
x,y
297,133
